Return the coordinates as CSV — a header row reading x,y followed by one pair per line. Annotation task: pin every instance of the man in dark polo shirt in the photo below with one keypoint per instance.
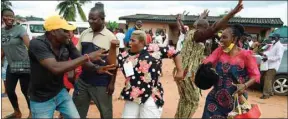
x,y
49,56
98,87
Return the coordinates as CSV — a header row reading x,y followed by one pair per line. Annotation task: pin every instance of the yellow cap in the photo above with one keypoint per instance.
x,y
57,22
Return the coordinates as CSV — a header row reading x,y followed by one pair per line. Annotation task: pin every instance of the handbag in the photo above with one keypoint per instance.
x,y
245,110
20,67
206,76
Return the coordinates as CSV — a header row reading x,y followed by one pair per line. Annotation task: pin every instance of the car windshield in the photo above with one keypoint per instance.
x,y
37,28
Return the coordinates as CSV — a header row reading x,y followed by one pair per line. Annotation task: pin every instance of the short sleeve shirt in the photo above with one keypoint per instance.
x,y
13,44
90,43
44,84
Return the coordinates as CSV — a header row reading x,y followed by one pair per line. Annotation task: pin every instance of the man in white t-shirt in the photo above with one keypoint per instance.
x,y
120,36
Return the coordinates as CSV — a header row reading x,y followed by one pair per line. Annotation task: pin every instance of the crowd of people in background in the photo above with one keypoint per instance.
x,y
52,64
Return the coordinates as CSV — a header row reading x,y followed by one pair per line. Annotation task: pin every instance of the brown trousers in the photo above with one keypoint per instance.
x,y
268,77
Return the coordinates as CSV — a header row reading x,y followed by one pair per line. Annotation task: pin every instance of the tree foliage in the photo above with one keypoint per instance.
x,y
112,25
69,8
5,4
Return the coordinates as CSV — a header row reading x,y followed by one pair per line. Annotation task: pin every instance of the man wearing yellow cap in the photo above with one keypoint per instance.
x,y
49,55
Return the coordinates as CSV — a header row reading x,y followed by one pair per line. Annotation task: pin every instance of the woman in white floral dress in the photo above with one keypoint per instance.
x,y
141,65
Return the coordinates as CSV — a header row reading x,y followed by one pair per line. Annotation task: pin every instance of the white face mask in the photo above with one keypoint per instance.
x,y
273,41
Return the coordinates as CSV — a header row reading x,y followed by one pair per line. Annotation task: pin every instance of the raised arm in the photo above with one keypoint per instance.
x,y
180,24
223,22
202,35
112,57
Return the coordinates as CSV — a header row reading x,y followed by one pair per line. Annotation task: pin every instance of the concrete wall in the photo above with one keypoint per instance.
x,y
148,25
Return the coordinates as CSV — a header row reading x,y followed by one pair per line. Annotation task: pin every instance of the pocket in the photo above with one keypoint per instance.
x,y
42,107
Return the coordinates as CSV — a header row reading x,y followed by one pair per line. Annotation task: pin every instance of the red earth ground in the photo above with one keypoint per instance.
x,y
274,107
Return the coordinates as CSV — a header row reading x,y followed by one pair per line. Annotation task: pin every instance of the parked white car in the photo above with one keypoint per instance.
x,y
35,28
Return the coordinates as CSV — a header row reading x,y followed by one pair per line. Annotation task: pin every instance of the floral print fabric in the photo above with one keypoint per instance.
x,y
238,69
145,81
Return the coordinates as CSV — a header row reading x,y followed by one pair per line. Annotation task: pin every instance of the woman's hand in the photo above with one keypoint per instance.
x,y
240,88
238,8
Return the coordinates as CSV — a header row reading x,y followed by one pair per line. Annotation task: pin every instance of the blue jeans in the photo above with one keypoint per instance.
x,y
62,102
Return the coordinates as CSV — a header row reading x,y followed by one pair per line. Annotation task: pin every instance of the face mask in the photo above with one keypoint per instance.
x,y
228,49
137,27
273,41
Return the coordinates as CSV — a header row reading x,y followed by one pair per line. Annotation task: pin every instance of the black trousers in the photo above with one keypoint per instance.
x,y
11,82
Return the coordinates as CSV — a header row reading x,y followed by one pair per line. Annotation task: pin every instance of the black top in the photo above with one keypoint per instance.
x,y
45,85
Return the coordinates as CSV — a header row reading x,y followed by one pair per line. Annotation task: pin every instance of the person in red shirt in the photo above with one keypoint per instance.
x,y
70,77
74,74
148,37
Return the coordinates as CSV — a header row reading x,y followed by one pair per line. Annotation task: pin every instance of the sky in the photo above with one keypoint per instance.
x,y
116,9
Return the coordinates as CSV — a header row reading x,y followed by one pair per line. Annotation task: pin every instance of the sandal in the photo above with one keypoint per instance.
x,y
13,115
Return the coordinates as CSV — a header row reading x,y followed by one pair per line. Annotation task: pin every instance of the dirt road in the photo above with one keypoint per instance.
x,y
275,107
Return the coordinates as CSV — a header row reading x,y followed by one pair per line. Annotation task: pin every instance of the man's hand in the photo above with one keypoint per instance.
x,y
96,55
115,43
105,69
204,14
110,89
238,8
179,75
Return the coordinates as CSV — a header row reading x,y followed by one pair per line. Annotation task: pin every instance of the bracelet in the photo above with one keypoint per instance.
x,y
87,56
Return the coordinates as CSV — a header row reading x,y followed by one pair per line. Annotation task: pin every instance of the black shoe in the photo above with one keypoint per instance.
x,y
264,97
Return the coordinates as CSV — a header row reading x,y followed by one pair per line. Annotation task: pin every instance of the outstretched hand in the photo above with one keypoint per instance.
x,y
96,55
105,69
204,14
238,8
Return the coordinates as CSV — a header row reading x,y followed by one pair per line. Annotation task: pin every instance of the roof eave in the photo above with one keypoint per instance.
x,y
191,22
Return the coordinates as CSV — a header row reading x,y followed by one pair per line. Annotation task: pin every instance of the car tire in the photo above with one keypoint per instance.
x,y
279,88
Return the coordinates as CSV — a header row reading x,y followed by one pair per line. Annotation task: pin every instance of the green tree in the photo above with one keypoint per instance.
x,y
68,9
112,25
5,4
